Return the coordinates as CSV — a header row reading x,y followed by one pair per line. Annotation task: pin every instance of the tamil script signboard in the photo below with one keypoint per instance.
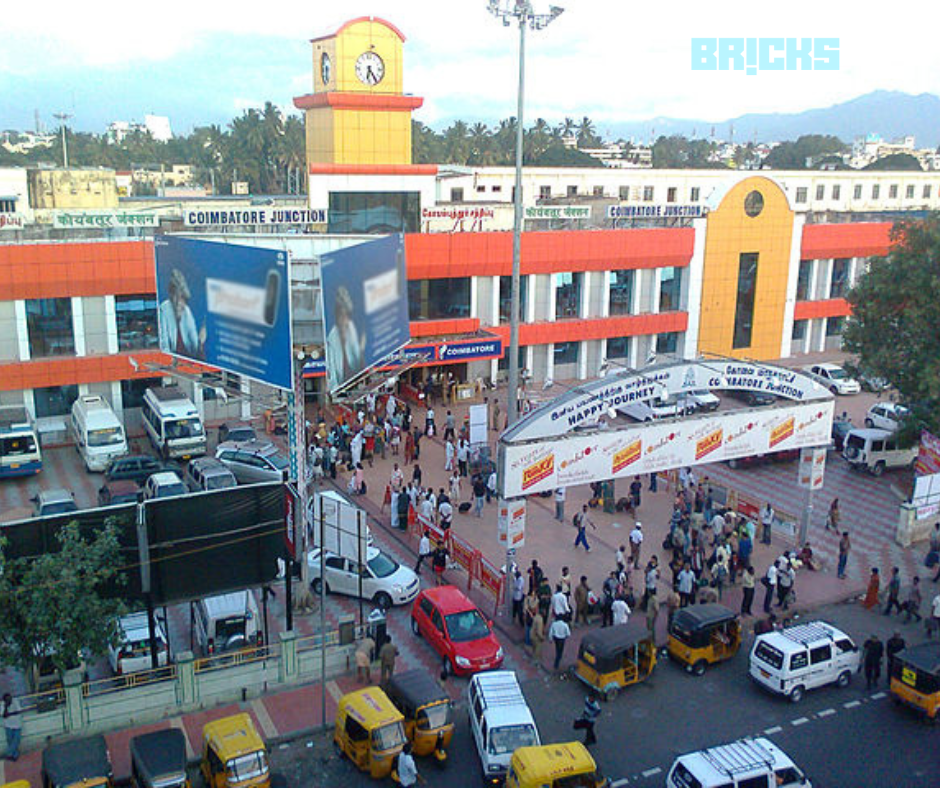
x,y
227,306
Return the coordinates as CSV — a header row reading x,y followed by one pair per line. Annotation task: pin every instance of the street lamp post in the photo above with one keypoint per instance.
x,y
62,117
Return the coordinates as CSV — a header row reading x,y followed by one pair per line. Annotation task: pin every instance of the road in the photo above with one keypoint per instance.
x,y
839,737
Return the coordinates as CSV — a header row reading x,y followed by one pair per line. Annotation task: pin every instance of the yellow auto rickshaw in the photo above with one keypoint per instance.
x,y
234,755
701,635
16,784
428,711
616,657
568,765
369,730
80,763
915,678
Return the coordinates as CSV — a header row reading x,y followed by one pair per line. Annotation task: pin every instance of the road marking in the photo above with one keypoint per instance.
x,y
773,730
826,713
852,704
879,696
620,782
799,721
268,728
335,692
650,772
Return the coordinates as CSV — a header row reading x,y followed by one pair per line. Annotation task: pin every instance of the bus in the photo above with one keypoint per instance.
x,y
20,454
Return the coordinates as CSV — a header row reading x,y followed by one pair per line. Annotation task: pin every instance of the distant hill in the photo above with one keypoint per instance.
x,y
892,114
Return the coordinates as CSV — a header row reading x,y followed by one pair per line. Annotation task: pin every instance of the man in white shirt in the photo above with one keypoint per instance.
x,y
446,512
424,550
767,515
636,540
560,504
560,606
491,483
427,509
559,632
770,586
407,771
620,610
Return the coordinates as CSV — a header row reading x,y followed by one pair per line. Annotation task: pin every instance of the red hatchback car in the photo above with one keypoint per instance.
x,y
456,630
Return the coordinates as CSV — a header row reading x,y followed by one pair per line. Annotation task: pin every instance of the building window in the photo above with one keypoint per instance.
x,y
670,290
545,192
893,191
618,347
647,194
132,391
50,327
926,192
857,192
7,205
834,326
667,343
572,191
836,192
799,330
909,192
439,299
876,191
505,300
568,295
54,400
598,191
456,194
801,194
497,188
374,212
671,194
621,292
821,191
840,278
566,353
481,189
136,322
503,363
693,195
624,193
803,280
744,308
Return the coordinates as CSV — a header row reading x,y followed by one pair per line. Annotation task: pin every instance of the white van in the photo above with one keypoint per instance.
x,y
227,622
803,657
97,431
876,451
740,764
500,721
173,423
132,654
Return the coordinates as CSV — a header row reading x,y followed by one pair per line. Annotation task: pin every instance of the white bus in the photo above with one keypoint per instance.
x,y
20,454
173,423
97,431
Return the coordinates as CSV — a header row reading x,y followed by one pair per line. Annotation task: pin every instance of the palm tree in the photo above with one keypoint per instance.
x,y
457,143
587,134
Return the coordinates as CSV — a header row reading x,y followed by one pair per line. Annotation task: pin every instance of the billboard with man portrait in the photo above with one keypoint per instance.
x,y
365,307
227,306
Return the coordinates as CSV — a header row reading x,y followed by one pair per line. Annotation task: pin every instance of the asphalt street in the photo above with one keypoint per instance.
x,y
838,737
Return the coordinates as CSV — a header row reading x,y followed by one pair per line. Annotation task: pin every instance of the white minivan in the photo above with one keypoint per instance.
x,y
740,764
227,622
793,660
97,431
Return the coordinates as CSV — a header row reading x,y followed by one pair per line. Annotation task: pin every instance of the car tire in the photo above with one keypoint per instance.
x,y
698,669
415,629
845,678
796,694
315,586
869,423
382,600
878,469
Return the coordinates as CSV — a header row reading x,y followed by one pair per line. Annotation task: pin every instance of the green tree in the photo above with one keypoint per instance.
x,y
587,134
54,604
896,161
801,154
895,323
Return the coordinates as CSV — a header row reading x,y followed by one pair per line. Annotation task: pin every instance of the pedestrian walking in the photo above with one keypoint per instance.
x,y
424,550
873,652
560,606
463,456
430,428
770,586
747,583
912,603
581,523
530,606
874,586
844,546
491,486
387,655
834,516
518,596
406,769
479,494
560,504
496,415
12,725
620,611
449,423
653,477
785,580
589,715
894,592
582,604
450,455
651,579
636,491
685,583
767,515
537,634
652,613
364,653
620,558
559,632
636,543
535,574
439,562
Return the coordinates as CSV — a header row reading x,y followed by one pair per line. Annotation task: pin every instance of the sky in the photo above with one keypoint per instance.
x,y
206,61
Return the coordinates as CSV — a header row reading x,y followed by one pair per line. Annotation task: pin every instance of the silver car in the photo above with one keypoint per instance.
x,y
253,461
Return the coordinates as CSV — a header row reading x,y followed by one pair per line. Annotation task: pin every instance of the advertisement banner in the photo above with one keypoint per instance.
x,y
365,307
255,216
812,468
227,306
637,449
479,420
928,458
512,523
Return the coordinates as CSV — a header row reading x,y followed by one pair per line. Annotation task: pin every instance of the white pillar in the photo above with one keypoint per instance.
x,y
78,325
22,330
111,329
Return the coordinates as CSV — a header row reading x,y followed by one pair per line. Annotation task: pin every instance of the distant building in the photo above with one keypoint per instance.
x,y
872,148
615,154
158,126
77,187
24,141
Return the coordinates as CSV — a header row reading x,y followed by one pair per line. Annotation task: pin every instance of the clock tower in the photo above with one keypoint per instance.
x,y
357,115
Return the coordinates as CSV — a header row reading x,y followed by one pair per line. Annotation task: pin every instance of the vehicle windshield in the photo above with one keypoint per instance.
x,y
227,628
382,565
437,716
219,482
184,428
468,625
109,436
17,446
388,737
60,507
768,654
509,738
278,460
589,779
169,490
837,373
247,766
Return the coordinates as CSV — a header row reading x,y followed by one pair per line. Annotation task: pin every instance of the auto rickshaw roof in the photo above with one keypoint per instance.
x,y
370,707
696,617
234,736
159,753
551,761
925,657
416,688
73,761
610,641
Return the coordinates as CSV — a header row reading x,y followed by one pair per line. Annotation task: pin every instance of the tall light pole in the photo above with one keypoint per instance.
x,y
521,11
62,117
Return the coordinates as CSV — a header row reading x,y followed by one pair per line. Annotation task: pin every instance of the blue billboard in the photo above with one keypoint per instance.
x,y
227,306
365,307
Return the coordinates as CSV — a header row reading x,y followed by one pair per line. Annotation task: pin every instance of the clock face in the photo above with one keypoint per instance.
x,y
369,68
326,68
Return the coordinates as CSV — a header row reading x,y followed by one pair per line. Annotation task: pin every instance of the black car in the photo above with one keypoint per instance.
x,y
136,467
840,428
752,398
237,431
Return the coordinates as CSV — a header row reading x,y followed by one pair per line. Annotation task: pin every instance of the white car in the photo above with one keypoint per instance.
x,y
133,653
703,400
834,378
384,580
885,416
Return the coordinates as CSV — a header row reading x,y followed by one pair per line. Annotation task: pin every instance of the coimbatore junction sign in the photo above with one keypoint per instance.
x,y
582,436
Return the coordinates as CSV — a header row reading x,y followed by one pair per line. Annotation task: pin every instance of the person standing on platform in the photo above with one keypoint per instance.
x,y
767,515
560,504
559,632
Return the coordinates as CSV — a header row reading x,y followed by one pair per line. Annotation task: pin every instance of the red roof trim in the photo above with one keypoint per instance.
x,y
382,101
373,169
358,19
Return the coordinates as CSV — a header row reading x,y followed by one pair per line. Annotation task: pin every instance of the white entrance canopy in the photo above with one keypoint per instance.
x,y
571,439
